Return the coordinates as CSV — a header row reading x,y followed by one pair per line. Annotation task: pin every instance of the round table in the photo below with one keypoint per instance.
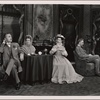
x,y
37,68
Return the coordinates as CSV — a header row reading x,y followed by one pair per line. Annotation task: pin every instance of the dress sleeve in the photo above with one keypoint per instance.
x,y
53,50
23,50
64,52
33,49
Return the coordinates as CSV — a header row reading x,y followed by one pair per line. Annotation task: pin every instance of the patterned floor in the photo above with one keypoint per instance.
x,y
89,86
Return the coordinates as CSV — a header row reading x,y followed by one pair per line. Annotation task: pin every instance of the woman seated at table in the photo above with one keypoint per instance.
x,y
63,70
27,49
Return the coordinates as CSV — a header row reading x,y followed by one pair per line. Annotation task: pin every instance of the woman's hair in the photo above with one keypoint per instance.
x,y
62,38
79,40
28,37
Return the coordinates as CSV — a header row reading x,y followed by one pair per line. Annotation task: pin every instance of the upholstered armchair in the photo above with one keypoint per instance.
x,y
83,67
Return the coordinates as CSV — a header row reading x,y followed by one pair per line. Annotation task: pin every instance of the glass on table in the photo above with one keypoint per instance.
x,y
40,53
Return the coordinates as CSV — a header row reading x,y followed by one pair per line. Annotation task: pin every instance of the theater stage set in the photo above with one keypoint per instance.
x,y
43,22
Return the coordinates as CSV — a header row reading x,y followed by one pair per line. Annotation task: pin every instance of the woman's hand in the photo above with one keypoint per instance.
x,y
53,50
60,48
90,54
64,53
21,56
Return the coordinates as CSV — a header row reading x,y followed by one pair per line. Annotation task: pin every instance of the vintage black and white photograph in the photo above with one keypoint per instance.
x,y
49,49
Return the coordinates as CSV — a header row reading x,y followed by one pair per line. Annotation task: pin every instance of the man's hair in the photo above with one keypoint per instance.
x,y
6,34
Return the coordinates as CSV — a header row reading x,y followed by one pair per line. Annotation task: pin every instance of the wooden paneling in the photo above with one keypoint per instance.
x,y
10,24
95,28
9,21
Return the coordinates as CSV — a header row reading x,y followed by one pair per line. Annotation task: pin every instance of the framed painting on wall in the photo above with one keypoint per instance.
x,y
43,21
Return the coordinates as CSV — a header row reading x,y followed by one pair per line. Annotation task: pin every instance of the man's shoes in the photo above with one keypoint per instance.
x,y
5,77
18,85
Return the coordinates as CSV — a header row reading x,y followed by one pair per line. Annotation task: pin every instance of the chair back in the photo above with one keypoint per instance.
x,y
1,59
76,57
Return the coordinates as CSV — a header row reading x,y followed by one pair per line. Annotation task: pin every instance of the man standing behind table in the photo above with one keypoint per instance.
x,y
11,63
88,57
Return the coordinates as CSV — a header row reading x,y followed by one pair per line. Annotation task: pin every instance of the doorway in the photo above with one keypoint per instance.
x,y
70,17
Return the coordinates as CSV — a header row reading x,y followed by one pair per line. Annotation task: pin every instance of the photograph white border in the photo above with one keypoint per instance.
x,y
97,2
78,2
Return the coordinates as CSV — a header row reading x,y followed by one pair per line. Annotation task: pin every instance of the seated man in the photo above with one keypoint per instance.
x,y
11,63
88,57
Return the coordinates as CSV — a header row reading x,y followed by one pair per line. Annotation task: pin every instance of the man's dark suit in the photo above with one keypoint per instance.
x,y
89,58
11,61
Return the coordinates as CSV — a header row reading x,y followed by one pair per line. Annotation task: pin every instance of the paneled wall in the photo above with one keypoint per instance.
x,y
10,24
45,19
9,21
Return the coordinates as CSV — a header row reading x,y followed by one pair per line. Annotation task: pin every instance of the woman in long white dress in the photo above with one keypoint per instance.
x,y
63,70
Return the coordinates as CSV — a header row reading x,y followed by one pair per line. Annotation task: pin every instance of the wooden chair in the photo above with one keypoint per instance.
x,y
83,67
